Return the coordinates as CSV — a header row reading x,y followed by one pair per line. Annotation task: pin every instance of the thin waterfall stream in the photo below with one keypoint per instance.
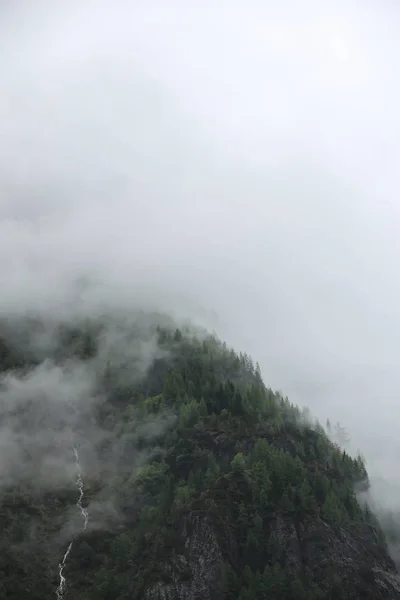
x,y
85,515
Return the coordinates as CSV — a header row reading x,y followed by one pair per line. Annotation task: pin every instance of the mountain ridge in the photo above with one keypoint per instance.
x,y
200,482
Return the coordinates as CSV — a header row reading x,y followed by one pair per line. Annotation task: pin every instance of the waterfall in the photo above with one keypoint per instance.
x,y
85,515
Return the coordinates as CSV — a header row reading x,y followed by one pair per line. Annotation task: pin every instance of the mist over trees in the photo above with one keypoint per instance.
x,y
232,166
177,433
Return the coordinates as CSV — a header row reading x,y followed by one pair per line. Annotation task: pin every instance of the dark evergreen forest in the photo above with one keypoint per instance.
x,y
214,484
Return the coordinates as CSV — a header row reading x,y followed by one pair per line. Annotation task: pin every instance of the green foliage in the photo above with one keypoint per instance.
x,y
235,452
238,463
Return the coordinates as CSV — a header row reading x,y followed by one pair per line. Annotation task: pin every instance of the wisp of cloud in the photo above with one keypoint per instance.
x,y
233,162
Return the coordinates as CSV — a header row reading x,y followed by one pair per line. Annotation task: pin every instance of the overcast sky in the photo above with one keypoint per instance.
x,y
242,155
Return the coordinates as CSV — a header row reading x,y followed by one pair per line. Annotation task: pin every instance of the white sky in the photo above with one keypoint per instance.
x,y
241,154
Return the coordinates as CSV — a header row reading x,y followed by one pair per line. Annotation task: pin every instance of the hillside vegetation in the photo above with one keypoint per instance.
x,y
200,482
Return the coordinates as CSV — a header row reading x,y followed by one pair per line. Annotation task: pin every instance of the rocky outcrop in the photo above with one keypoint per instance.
x,y
356,564
344,565
191,575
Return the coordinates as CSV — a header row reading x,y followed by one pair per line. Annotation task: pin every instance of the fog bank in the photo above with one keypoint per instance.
x,y
234,162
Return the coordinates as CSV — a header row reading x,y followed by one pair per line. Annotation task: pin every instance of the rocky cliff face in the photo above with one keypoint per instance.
x,y
344,565
193,574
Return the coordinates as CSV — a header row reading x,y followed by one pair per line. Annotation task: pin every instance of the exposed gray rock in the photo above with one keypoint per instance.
x,y
356,563
194,573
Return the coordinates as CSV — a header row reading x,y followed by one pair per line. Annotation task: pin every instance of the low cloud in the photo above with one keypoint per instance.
x,y
250,185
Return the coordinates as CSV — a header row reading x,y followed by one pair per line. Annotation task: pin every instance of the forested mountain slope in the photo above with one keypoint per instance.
x,y
199,482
